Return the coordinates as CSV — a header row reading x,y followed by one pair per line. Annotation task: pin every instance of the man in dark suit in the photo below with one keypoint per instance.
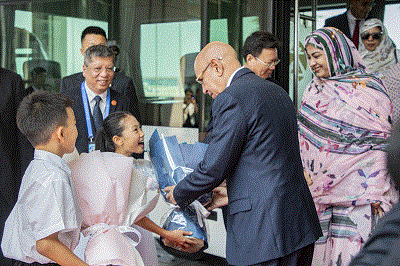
x,y
120,83
254,146
260,52
98,71
383,246
124,85
352,20
16,152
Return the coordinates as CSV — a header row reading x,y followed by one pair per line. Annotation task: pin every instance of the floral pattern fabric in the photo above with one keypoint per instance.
x,y
344,122
384,63
384,55
392,83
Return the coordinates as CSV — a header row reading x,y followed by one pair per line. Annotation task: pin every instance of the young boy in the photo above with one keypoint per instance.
x,y
44,224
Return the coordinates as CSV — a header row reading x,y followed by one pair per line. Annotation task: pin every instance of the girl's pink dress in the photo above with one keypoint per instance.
x,y
112,192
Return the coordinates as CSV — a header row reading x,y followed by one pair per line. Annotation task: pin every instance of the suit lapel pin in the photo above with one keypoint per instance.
x,y
114,102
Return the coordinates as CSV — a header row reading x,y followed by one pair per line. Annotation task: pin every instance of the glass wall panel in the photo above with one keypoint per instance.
x,y
305,74
223,26
391,16
166,37
162,49
56,37
219,30
33,40
170,38
324,14
250,25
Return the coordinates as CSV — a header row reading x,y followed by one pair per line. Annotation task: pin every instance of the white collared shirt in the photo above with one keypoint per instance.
x,y
231,77
92,102
352,22
46,204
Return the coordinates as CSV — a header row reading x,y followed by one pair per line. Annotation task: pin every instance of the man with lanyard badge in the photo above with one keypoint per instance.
x,y
94,99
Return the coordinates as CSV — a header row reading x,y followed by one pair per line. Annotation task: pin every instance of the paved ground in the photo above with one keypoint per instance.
x,y
166,259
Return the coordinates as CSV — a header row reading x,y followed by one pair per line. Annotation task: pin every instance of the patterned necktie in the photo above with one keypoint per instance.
x,y
97,116
356,33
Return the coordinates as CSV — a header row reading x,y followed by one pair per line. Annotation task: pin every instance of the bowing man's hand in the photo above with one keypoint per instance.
x,y
170,194
219,198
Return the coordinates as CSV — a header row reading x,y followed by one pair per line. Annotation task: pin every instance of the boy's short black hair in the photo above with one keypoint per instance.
x,y
93,30
259,40
40,113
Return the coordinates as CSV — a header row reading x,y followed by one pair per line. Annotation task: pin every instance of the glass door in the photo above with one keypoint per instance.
x,y
41,42
302,23
232,21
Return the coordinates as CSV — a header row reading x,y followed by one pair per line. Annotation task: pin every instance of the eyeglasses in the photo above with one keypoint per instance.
x,y
98,70
375,35
268,65
368,4
199,79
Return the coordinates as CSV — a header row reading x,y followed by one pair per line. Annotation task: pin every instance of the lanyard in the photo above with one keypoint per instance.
x,y
87,110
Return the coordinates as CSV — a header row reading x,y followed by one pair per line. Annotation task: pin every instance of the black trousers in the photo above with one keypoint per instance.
x,y
20,263
301,257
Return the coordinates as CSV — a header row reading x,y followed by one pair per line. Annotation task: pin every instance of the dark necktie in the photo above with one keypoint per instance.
x,y
356,33
97,116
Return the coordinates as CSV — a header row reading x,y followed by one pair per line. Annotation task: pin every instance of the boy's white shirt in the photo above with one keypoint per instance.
x,y
46,204
70,158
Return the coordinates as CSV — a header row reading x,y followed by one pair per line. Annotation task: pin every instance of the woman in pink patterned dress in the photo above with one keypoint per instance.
x,y
344,122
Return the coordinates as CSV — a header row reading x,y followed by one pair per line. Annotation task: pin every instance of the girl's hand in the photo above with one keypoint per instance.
x,y
170,194
178,237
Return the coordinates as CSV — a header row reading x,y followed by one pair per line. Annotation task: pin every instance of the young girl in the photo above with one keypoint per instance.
x,y
112,189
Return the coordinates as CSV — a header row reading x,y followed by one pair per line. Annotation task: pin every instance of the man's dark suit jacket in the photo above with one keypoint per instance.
x,y
254,146
121,83
123,103
15,151
340,22
383,245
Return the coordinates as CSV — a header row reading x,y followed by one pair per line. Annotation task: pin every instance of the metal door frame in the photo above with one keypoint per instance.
x,y
297,16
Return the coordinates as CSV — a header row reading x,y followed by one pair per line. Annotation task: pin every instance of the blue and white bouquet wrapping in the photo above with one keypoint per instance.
x,y
174,161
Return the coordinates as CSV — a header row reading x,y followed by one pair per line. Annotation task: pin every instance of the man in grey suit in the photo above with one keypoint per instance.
x,y
254,146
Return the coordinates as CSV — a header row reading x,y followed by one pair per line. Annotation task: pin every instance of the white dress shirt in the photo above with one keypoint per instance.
x,y
46,204
352,22
90,94
231,77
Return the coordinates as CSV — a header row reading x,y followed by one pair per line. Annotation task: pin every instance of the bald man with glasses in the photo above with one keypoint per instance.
x,y
271,217
260,53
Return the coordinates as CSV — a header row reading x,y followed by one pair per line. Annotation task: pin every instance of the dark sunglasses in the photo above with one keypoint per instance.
x,y
368,4
375,35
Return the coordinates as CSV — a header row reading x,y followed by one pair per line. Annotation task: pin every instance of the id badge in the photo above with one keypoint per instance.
x,y
92,145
